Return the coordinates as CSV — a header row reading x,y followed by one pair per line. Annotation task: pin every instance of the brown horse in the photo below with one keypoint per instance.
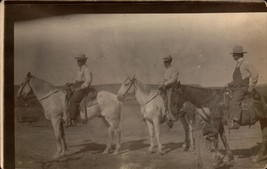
x,y
217,103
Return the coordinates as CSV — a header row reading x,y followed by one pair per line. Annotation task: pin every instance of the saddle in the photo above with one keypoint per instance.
x,y
253,108
90,98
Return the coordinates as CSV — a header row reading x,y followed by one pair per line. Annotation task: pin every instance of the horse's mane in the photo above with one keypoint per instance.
x,y
200,88
143,87
42,86
201,95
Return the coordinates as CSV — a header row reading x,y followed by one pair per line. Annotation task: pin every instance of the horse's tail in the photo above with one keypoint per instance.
x,y
121,115
264,102
65,106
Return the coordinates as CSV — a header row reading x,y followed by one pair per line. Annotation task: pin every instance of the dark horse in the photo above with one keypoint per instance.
x,y
218,104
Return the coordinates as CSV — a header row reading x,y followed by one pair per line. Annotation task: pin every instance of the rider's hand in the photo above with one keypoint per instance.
x,y
162,86
250,89
229,84
68,84
84,86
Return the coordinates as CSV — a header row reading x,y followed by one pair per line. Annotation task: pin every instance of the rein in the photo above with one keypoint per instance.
x,y
132,82
45,97
209,98
151,99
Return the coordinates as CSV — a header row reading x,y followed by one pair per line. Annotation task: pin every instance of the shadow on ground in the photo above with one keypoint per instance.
x,y
169,147
246,153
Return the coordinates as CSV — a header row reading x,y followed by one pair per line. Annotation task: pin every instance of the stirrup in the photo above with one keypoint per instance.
x,y
233,125
170,123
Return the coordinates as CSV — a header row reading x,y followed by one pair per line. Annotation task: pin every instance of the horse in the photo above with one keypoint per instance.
x,y
152,107
187,115
214,104
54,103
108,108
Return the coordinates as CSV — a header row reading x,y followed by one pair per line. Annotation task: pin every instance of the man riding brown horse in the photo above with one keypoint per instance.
x,y
245,78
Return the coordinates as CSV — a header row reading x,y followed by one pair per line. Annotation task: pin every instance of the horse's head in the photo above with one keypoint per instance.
x,y
126,87
25,89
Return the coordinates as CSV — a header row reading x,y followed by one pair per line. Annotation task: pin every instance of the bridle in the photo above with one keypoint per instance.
x,y
25,99
130,86
22,88
132,81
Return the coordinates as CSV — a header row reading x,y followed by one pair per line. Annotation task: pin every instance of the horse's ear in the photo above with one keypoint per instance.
x,y
29,74
179,84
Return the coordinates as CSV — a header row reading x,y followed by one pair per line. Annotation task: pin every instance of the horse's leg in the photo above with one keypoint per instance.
x,y
157,131
215,144
229,155
262,151
185,125
190,134
110,127
63,140
118,145
56,126
151,135
204,160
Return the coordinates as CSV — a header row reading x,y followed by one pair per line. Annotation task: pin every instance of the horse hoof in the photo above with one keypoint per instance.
x,y
255,159
184,146
105,152
150,151
62,154
161,153
190,149
56,156
116,152
228,158
186,149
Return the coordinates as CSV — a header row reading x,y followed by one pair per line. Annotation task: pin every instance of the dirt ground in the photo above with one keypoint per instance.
x,y
34,146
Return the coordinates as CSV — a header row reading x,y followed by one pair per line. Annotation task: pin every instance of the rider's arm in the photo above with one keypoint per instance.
x,y
252,73
174,78
88,78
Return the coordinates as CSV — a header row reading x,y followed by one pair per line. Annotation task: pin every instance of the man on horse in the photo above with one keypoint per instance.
x,y
81,87
245,78
169,81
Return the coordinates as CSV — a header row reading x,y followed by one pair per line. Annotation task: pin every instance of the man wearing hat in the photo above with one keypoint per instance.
x,y
245,78
169,80
81,87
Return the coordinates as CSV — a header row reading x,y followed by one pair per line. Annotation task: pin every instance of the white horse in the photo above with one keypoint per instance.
x,y
108,108
53,101
152,107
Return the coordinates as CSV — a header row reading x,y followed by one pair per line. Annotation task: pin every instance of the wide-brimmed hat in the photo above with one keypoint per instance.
x,y
167,58
238,49
80,56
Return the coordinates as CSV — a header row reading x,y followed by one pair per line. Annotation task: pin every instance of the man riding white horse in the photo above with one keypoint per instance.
x,y
169,81
81,88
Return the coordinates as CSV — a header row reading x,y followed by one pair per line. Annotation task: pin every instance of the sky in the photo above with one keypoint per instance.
x,y
119,45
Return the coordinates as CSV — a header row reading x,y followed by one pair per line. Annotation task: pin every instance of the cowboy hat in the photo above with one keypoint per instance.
x,y
80,56
238,49
167,58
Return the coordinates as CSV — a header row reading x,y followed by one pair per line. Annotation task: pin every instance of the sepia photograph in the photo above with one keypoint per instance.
x,y
137,90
